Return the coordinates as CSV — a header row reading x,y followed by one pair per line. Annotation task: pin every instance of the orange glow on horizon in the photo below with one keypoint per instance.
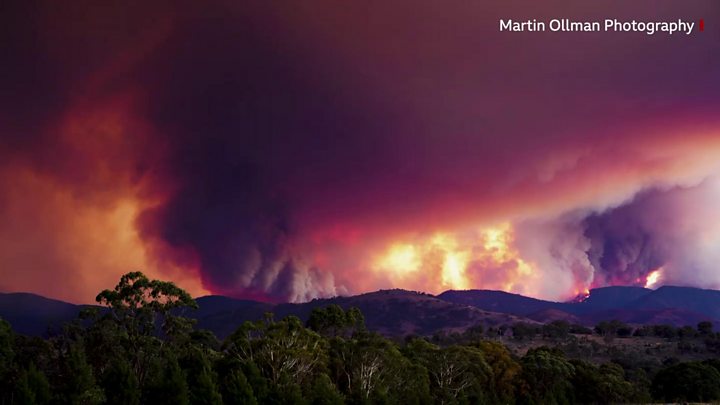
x,y
486,259
73,222
653,278
402,259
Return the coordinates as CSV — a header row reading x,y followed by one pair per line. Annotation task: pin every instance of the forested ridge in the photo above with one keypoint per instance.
x,y
144,349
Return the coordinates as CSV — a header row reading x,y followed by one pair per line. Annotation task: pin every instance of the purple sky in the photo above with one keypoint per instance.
x,y
296,151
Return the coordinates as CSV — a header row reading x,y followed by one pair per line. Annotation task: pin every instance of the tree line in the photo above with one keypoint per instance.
x,y
143,348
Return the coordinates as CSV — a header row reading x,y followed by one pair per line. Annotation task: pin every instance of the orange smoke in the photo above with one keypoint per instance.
x,y
70,217
485,259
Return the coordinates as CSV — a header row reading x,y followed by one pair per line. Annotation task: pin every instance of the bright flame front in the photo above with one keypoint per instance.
x,y
485,258
653,278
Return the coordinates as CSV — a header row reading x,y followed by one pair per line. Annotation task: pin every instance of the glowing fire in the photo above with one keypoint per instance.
x,y
402,259
485,258
653,278
581,296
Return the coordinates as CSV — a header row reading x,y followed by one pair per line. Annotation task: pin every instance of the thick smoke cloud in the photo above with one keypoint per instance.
x,y
253,127
674,230
271,151
630,241
560,251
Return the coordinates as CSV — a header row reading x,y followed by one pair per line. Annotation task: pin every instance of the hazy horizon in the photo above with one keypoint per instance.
x,y
296,151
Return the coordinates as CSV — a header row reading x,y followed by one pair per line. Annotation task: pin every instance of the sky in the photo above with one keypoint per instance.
x,y
289,151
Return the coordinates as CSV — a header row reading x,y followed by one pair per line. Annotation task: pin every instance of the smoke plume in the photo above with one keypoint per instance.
x,y
286,152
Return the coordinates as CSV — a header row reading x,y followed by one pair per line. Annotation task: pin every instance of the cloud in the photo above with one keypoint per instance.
x,y
275,152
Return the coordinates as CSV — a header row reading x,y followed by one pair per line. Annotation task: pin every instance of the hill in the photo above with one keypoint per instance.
x,y
223,315
390,312
607,298
677,306
399,312
35,315
500,301
697,300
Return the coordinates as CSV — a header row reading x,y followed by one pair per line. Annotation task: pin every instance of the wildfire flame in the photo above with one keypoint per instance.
x,y
485,258
402,259
653,278
581,295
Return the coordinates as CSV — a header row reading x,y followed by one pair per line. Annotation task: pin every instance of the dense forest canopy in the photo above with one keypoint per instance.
x,y
141,348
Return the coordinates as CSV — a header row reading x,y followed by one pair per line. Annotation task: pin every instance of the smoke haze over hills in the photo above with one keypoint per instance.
x,y
284,153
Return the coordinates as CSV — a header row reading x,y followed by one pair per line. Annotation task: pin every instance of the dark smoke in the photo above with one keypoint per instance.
x,y
625,244
675,229
256,132
255,124
658,228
